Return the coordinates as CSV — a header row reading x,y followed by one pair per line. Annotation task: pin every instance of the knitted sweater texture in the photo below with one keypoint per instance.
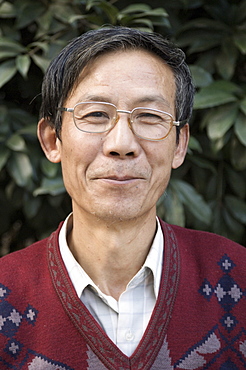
x,y
199,321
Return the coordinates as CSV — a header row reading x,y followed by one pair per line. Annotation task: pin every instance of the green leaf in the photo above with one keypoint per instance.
x,y
29,130
49,169
4,155
204,24
194,144
193,201
7,54
201,77
110,10
20,116
202,163
227,86
7,71
76,17
137,13
16,143
31,207
234,228
238,155
44,24
243,106
20,168
158,12
218,144
237,208
62,12
50,186
240,42
8,44
4,125
7,10
204,42
135,8
240,128
226,60
218,93
236,181
41,62
218,223
144,21
221,120
40,45
205,100
23,63
173,207
28,12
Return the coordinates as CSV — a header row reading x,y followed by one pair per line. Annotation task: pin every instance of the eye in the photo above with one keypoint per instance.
x,y
150,115
148,118
93,117
96,114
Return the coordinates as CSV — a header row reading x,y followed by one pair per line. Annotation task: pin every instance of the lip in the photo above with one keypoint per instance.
x,y
119,180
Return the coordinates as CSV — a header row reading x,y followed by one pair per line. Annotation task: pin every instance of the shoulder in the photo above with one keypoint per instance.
x,y
203,247
28,260
206,259
23,261
202,238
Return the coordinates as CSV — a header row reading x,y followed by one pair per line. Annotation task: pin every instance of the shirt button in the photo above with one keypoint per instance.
x,y
129,336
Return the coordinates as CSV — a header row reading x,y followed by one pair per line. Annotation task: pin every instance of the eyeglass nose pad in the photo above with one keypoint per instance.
x,y
130,122
114,121
116,118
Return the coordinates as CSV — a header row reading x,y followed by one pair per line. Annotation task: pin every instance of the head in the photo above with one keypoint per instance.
x,y
115,174
64,71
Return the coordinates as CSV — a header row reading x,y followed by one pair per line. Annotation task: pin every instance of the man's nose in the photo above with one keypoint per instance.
x,y
120,140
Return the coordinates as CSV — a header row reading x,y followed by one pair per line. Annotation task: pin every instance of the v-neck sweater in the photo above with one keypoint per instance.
x,y
199,320
124,320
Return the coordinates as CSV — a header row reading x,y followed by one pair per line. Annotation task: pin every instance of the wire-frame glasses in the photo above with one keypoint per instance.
x,y
146,123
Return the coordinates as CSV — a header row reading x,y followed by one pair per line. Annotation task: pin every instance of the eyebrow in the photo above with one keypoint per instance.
x,y
144,99
153,99
95,98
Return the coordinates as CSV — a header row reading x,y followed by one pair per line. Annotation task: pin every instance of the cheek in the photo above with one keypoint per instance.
x,y
78,146
161,160
161,154
77,155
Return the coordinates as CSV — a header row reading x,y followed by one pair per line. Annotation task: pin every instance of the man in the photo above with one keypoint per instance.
x,y
115,287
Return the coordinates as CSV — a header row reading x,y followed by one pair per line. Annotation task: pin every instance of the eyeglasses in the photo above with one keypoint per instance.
x,y
99,117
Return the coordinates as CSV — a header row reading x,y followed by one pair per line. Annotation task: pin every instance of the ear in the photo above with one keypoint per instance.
x,y
182,146
49,141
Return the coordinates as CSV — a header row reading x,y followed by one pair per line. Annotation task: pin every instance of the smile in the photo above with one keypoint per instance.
x,y
119,180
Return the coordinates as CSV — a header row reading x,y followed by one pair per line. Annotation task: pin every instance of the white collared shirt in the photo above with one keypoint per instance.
x,y
125,320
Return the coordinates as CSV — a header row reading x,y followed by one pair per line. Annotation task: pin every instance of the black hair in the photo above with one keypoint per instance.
x,y
64,71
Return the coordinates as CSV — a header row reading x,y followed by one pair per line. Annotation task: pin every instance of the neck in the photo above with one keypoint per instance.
x,y
111,253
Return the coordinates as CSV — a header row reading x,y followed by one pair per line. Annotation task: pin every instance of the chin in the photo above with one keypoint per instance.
x,y
119,213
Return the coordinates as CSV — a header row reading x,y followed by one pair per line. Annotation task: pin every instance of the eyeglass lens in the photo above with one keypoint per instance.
x,y
101,117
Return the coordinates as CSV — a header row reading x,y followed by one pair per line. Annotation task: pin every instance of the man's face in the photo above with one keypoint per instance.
x,y
116,175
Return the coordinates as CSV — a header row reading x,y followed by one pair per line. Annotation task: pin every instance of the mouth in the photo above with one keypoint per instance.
x,y
119,180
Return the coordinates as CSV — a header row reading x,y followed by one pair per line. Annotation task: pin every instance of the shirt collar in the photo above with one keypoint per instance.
x,y
154,258
81,280
76,273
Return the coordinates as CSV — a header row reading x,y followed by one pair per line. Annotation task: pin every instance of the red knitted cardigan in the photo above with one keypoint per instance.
x,y
199,321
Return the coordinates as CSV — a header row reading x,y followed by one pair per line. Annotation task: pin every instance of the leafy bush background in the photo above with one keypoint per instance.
x,y
208,192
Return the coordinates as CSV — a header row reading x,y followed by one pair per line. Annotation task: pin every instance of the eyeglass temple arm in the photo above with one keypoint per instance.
x,y
66,109
180,123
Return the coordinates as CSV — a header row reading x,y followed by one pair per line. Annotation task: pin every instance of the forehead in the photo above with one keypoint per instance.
x,y
128,74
